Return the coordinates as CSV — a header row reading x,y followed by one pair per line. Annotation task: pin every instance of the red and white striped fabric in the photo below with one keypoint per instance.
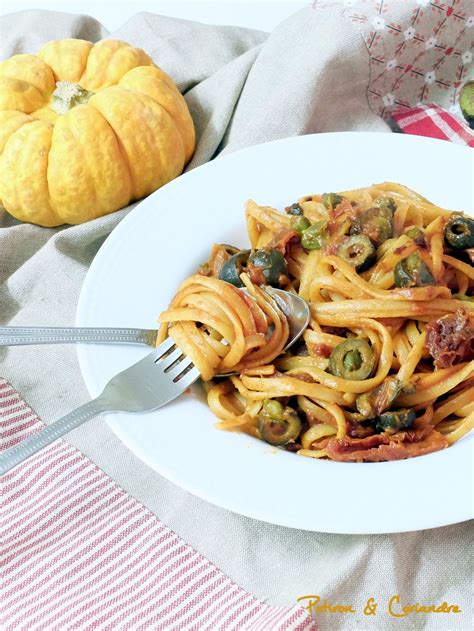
x,y
433,121
78,552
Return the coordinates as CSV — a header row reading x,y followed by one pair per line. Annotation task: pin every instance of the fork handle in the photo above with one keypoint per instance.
x,y
31,445
20,335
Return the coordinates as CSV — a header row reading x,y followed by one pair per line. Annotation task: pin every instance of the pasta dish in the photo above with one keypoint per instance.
x,y
385,369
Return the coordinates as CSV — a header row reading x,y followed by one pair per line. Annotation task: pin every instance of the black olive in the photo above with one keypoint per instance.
x,y
272,263
232,268
294,209
459,232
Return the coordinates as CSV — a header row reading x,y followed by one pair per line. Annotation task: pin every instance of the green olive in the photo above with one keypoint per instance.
x,y
279,431
459,232
358,251
385,202
375,223
232,268
273,266
331,200
294,209
274,409
299,224
352,359
314,237
394,421
412,271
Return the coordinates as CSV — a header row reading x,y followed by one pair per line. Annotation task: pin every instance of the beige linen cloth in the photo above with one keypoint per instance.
x,y
243,87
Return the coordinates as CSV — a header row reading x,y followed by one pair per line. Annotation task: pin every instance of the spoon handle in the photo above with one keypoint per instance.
x,y
20,335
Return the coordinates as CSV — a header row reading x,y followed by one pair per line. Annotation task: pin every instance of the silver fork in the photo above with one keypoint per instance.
x,y
152,382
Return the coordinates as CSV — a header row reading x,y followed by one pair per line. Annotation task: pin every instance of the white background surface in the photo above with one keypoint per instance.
x,y
262,14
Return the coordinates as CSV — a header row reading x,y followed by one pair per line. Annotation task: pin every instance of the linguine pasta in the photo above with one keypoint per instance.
x,y
385,370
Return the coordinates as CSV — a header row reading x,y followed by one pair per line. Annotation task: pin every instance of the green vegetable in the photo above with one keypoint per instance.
x,y
279,431
273,265
232,268
299,224
466,102
391,422
358,251
463,297
274,409
294,209
412,271
314,237
385,202
352,359
375,223
459,232
331,200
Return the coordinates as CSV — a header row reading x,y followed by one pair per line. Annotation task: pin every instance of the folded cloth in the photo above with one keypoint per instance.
x,y
435,122
80,553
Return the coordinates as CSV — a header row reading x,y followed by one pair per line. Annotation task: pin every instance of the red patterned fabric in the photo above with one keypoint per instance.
x,y
80,553
435,122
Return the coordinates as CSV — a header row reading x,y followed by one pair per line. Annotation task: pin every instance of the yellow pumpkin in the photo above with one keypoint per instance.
x,y
85,129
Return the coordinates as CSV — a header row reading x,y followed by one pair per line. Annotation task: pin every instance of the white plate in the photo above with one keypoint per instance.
x,y
162,241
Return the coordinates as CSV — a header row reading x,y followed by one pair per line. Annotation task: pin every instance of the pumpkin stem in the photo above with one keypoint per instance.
x,y
67,95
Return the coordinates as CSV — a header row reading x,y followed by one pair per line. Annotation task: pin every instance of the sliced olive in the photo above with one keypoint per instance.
x,y
352,359
385,202
412,271
331,200
294,209
375,223
232,268
459,232
279,431
358,251
394,421
314,237
273,266
299,224
466,102
370,404
274,409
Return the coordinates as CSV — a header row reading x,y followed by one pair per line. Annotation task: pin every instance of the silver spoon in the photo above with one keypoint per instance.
x,y
295,309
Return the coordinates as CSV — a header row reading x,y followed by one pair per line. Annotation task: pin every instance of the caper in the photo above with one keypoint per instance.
x,y
232,268
412,271
299,223
314,237
394,421
459,232
385,202
294,209
274,409
331,200
272,264
279,431
375,223
358,251
352,359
